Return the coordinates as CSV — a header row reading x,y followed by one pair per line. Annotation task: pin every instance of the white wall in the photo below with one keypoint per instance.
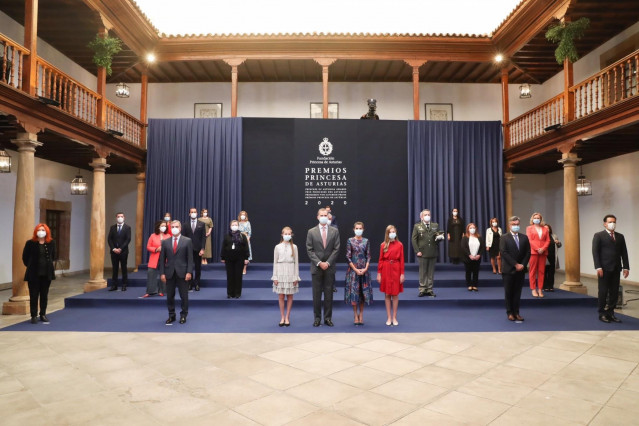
x,y
52,182
615,191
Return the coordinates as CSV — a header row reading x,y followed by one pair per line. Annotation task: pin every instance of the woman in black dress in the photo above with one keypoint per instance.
x,y
235,254
551,262
38,256
455,228
472,246
493,234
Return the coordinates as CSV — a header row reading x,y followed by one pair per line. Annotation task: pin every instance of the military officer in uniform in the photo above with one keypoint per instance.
x,y
426,237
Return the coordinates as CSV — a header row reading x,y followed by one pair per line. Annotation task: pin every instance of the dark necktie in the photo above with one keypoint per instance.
x,y
612,234
119,228
193,225
516,237
428,226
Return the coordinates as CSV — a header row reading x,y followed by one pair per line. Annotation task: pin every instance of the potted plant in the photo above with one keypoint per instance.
x,y
564,34
104,48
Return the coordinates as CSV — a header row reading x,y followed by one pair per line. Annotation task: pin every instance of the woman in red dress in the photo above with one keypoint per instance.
x,y
539,241
390,272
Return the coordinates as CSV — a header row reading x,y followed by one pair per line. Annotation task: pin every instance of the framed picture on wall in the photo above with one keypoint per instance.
x,y
439,112
316,110
208,110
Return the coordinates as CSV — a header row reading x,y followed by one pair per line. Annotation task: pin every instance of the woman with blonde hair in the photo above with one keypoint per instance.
x,y
471,247
286,274
390,272
539,239
245,228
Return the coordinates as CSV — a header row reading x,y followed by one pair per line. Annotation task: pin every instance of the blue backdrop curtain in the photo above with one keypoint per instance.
x,y
194,163
455,164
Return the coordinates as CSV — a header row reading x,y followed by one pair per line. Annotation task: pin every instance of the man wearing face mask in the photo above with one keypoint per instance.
x,y
195,230
176,264
425,238
610,255
119,239
514,248
322,247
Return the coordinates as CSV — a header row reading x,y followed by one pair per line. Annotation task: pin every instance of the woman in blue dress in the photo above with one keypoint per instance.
x,y
358,290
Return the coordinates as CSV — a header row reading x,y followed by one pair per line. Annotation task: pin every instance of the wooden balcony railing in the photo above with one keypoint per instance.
x,y
609,86
531,124
11,60
70,95
131,128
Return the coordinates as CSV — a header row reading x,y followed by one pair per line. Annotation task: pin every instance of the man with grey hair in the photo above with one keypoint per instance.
x,y
426,237
514,248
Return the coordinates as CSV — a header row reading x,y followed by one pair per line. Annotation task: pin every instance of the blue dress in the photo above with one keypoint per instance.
x,y
245,228
358,287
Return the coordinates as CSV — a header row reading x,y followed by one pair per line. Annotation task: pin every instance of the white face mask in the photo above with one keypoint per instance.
x,y
455,214
329,222
163,229
205,214
611,226
234,228
472,230
286,237
243,217
392,235
41,234
167,218
494,223
359,232
120,220
427,218
323,220
175,230
193,215
536,221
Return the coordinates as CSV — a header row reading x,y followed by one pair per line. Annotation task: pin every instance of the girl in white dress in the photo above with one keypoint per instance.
x,y
286,274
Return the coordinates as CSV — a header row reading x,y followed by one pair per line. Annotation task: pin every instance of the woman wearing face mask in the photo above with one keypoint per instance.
x,y
167,223
245,228
38,256
358,290
493,235
235,254
208,223
455,229
154,245
471,247
390,272
552,262
286,274
539,238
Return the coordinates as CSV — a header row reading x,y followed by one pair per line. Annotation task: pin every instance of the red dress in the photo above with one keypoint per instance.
x,y
390,267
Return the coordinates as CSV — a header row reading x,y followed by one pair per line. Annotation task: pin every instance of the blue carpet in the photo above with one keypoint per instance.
x,y
453,310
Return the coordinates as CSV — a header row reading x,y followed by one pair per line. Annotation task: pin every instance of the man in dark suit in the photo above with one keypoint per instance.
x,y
119,239
196,231
611,258
176,264
514,248
322,246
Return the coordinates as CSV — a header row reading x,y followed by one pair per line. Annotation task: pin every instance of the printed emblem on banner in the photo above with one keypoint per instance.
x,y
325,147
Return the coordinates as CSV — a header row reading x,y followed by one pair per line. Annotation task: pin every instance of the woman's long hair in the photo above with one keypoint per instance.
x,y
288,228
476,234
48,238
387,239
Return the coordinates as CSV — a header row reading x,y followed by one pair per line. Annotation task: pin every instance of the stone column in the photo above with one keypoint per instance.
x,y
571,225
508,195
98,222
139,218
23,222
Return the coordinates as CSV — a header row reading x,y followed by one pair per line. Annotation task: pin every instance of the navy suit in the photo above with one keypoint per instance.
x,y
612,257
175,266
511,255
198,239
119,240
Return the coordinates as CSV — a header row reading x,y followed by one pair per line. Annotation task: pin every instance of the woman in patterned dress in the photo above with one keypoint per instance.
x,y
390,272
245,228
358,289
286,274
208,223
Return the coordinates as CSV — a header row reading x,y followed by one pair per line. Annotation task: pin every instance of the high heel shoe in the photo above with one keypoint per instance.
x,y
534,293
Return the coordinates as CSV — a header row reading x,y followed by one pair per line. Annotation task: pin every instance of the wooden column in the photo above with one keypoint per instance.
x,y
569,97
234,63
505,106
101,107
508,196
415,64
98,223
30,69
23,222
325,63
144,89
139,218
572,262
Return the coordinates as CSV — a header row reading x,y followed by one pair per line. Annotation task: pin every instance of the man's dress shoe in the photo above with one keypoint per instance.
x,y
182,320
170,321
604,318
316,323
328,322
